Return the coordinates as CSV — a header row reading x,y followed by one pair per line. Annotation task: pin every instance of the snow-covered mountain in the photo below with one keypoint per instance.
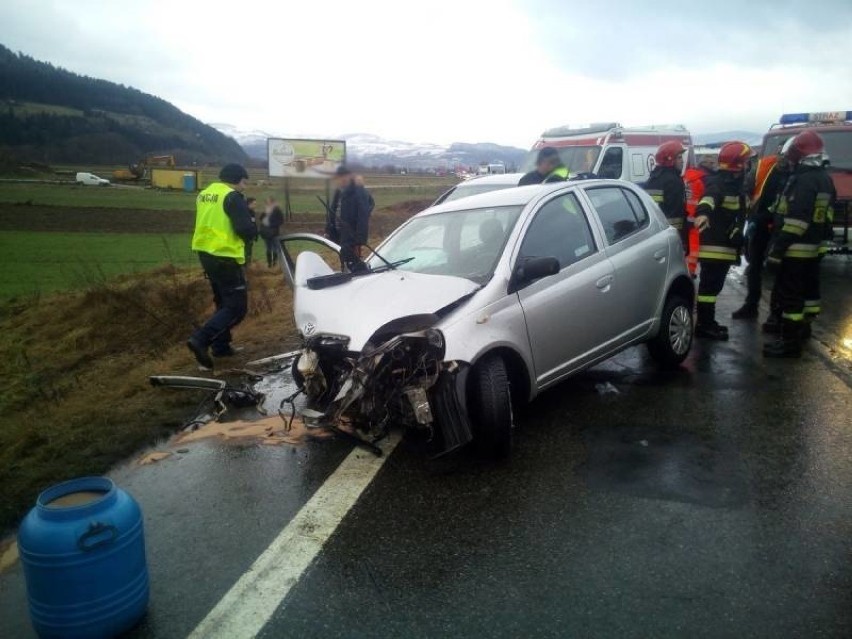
x,y
373,150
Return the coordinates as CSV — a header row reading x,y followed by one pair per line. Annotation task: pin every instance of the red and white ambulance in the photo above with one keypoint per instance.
x,y
609,150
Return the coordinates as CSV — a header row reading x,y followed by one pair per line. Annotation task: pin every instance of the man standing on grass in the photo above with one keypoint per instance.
x,y
223,227
348,219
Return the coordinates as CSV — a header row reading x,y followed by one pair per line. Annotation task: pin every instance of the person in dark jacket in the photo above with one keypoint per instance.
x,y
251,204
270,228
804,211
666,187
719,218
223,227
348,218
548,168
768,181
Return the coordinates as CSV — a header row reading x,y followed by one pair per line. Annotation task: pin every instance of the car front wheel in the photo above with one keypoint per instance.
x,y
492,407
671,345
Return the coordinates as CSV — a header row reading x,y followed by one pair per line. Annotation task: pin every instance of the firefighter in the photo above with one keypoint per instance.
x,y
548,168
719,219
805,211
769,180
666,187
695,180
223,227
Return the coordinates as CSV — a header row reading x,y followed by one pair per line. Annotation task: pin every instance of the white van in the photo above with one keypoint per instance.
x,y
609,150
90,179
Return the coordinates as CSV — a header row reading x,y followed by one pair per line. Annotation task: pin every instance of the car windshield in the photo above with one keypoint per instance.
x,y
838,146
472,188
464,244
578,159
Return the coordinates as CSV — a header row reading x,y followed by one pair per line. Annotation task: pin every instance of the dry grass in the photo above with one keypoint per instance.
x,y
76,398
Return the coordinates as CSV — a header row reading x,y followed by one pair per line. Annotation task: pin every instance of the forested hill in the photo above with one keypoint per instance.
x,y
51,115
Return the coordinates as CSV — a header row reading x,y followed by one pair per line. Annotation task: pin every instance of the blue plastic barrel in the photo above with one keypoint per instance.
x,y
83,552
189,182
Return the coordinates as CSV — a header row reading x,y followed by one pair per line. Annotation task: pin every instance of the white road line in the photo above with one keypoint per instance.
x,y
250,603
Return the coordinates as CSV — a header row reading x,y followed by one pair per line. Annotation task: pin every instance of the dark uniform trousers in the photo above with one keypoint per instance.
x,y
796,294
230,295
710,284
758,245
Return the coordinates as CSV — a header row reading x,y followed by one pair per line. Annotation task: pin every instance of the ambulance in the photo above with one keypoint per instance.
x,y
835,128
609,150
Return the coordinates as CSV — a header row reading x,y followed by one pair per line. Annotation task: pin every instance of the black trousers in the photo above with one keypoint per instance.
x,y
758,244
230,295
710,284
796,293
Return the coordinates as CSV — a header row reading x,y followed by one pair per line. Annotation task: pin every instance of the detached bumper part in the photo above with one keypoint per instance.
x,y
449,407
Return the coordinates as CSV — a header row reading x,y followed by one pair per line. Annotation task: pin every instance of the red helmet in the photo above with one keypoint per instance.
x,y
669,152
733,156
804,144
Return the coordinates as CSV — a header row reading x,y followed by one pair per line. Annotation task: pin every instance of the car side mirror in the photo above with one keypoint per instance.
x,y
533,268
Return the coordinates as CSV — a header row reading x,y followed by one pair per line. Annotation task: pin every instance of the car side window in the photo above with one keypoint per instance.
x,y
621,212
559,229
639,209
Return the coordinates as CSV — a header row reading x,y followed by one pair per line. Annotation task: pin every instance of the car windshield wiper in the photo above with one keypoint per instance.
x,y
336,279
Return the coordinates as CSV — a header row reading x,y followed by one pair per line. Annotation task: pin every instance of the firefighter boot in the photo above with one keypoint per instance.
x,y
707,325
772,325
747,311
789,342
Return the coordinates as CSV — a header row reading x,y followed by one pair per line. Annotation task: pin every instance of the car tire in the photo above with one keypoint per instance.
x,y
492,407
671,345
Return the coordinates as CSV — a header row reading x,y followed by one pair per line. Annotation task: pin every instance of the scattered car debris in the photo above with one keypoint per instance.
x,y
153,457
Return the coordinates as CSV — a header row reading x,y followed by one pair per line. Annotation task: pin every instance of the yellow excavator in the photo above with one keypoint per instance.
x,y
139,171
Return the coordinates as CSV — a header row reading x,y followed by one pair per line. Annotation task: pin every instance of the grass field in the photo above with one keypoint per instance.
x,y
387,191
38,263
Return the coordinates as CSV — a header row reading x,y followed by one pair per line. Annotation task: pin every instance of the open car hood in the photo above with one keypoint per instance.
x,y
359,307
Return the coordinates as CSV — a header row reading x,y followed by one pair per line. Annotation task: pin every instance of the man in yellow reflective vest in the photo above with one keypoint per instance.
x,y
548,168
223,226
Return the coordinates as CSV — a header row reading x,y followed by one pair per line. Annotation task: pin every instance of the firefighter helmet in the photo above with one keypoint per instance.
x,y
669,152
733,156
801,146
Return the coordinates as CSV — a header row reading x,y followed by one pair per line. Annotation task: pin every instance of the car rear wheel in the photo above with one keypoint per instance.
x,y
492,404
671,345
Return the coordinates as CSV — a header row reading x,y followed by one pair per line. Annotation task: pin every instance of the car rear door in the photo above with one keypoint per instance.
x,y
565,313
639,253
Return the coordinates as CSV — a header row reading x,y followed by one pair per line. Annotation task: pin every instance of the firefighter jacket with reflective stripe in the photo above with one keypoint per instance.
x,y
695,180
725,207
805,213
214,231
667,189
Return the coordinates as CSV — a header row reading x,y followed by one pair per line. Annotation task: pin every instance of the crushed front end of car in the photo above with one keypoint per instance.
x,y
401,381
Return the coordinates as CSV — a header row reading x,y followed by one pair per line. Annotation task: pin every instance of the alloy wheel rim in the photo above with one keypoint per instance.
x,y
680,330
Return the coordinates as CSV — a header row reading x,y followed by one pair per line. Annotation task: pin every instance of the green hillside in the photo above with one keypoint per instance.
x,y
54,116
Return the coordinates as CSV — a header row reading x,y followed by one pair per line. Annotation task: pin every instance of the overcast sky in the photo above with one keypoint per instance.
x,y
461,70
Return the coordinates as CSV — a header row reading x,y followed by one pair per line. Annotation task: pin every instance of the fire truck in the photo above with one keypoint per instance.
x,y
609,150
835,128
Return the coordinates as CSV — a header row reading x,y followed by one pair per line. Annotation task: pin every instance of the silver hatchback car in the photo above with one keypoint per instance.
x,y
477,303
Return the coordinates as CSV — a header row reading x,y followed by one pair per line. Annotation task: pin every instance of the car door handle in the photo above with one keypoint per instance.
x,y
661,255
604,283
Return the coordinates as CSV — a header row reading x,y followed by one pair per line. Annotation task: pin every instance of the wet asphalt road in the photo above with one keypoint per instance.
x,y
711,502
